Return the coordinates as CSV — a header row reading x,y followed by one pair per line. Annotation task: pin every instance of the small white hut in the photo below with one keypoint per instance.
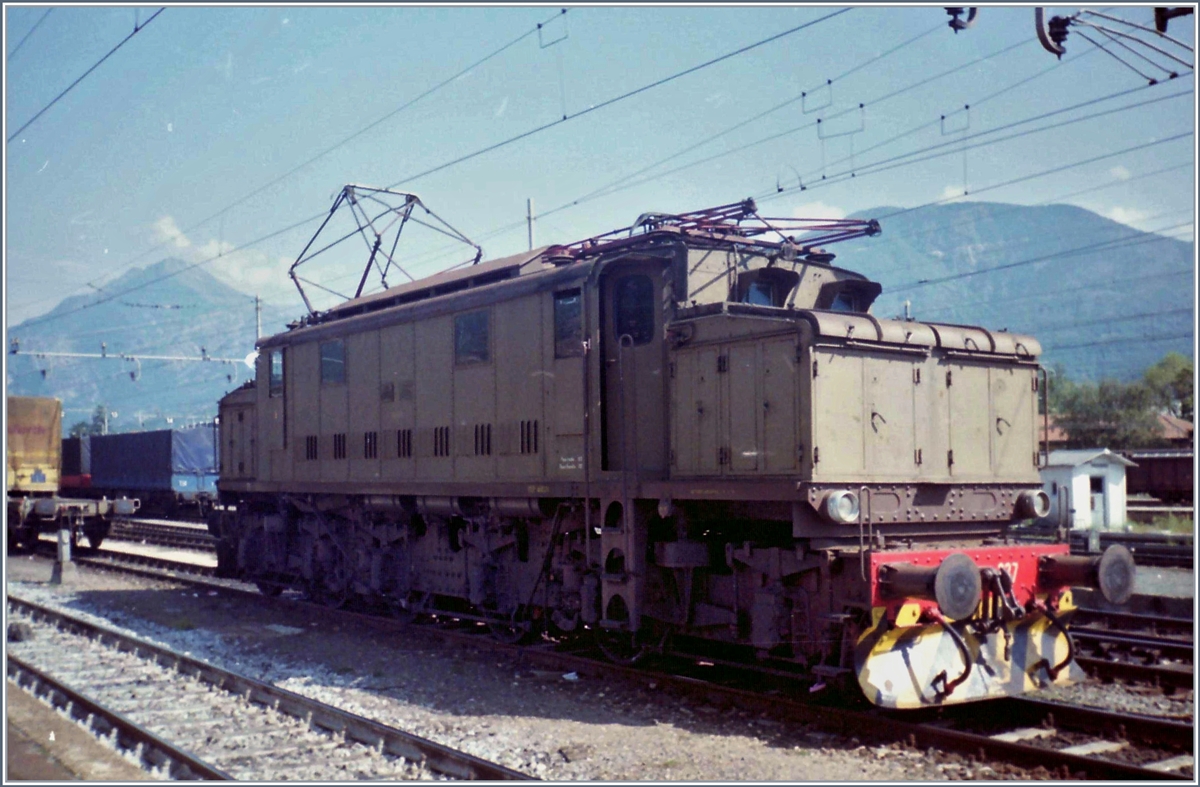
x,y
1086,487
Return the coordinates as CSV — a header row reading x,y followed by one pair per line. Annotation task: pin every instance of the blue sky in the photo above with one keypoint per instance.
x,y
204,106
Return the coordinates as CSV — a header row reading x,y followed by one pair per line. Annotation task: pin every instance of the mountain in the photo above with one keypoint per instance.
x,y
1104,299
168,309
1110,310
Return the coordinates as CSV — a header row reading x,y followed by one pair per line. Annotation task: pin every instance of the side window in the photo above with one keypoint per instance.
x,y
634,308
568,324
275,386
471,338
761,293
843,302
333,362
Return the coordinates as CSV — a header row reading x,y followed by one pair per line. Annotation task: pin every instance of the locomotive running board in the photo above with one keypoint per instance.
x,y
917,666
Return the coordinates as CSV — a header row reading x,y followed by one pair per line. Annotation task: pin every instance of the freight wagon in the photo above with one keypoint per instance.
x,y
34,459
1164,473
169,470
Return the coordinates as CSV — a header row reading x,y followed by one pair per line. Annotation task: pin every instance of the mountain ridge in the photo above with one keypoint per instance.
x,y
1093,291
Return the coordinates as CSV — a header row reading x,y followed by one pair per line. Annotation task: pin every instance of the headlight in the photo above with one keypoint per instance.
x,y
1033,504
841,507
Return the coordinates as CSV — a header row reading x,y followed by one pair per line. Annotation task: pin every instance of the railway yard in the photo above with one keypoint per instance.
x,y
299,690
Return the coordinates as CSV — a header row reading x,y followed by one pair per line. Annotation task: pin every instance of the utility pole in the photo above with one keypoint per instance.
x,y
529,220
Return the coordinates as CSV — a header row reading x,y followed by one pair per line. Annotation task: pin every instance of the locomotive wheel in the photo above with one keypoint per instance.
x,y
400,613
326,596
513,631
269,589
627,648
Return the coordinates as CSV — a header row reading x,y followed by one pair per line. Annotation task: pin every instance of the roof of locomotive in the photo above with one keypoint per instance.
x,y
736,225
443,283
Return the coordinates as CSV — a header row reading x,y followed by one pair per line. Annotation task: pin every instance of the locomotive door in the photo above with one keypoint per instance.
x,y
632,412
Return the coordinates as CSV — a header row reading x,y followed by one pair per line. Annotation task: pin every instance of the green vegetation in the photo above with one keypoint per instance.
x,y
1117,415
83,428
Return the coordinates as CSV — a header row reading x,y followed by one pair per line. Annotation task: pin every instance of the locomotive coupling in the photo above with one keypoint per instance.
x,y
955,584
1112,572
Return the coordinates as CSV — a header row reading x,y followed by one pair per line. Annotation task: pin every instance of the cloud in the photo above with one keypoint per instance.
x,y
503,106
818,210
950,192
167,230
1129,216
250,271
1120,173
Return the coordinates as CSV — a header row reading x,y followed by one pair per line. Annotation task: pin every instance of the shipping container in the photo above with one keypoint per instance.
x,y
179,465
76,462
34,434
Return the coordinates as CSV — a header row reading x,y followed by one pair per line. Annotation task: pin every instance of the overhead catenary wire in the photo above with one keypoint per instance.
x,y
956,146
1117,181
25,37
948,148
1063,326
609,187
1056,293
1120,340
1032,260
614,100
1045,172
621,183
344,141
137,29
460,159
1117,57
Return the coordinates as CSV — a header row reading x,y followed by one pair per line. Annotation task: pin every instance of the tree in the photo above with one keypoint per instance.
x,y
100,419
1171,384
81,429
1108,414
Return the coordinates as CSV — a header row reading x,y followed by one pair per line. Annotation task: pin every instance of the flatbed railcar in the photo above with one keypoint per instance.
x,y
692,426
171,471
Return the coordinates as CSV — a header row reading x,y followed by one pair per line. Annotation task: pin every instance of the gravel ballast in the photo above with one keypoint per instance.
x,y
531,720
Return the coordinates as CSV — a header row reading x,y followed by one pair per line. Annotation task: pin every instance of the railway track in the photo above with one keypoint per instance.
x,y
162,533
1065,739
245,728
1148,549
154,754
1144,648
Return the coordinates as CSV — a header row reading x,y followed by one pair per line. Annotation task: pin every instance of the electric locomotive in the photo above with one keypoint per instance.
x,y
692,429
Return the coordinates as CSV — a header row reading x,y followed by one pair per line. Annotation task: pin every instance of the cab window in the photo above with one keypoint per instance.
x,y
761,293
275,384
843,302
568,324
635,308
333,362
471,338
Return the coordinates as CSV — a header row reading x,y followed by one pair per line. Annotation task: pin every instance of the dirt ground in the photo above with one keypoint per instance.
x,y
535,721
